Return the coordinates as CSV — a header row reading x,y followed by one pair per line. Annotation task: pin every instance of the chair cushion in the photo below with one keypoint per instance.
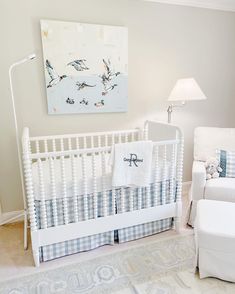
x,y
207,140
222,189
215,225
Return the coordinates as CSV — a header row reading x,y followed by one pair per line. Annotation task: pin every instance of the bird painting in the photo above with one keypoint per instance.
x,y
109,73
85,67
110,88
55,78
99,104
70,101
107,65
107,77
84,102
79,64
83,85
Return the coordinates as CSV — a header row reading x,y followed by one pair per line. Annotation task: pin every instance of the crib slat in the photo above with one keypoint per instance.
x,y
64,191
148,204
113,190
92,141
126,137
173,164
119,138
85,187
29,189
131,199
77,143
122,200
132,136
53,145
106,140
113,139
99,141
113,201
42,195
45,146
75,188
156,176
37,146
69,144
139,198
146,133
84,142
53,191
103,167
164,186
94,176
61,144
180,153
30,146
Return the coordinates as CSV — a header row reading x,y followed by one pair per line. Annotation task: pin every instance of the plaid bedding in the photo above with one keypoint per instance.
x,y
53,251
227,163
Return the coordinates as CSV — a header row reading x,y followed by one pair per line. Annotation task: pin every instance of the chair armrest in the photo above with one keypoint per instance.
x,y
198,180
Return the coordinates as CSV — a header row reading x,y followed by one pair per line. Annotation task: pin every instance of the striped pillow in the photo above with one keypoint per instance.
x,y
227,163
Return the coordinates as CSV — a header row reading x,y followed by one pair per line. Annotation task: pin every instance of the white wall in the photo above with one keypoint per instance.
x,y
166,42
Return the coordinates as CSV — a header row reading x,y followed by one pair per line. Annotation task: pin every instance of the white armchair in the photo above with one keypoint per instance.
x,y
206,141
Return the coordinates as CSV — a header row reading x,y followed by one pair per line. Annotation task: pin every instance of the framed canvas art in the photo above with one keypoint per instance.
x,y
86,67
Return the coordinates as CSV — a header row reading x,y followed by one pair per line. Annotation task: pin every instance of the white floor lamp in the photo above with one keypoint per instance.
x,y
24,213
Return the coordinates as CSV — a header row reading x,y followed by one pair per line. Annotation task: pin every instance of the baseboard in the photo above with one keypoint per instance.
x,y
11,217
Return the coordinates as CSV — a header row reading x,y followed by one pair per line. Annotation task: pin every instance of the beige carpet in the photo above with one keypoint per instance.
x,y
160,267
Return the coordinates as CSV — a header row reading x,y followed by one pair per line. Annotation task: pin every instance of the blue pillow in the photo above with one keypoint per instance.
x,y
227,163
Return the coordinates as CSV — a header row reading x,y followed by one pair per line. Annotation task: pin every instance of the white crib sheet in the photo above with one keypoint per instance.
x,y
80,184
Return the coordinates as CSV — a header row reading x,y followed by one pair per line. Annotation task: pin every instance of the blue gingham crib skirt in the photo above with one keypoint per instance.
x,y
56,250
147,229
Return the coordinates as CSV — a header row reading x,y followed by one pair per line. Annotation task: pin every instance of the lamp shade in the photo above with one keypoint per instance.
x,y
185,90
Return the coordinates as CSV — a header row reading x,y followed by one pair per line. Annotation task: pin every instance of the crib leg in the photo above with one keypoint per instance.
x,y
36,257
25,230
177,218
177,221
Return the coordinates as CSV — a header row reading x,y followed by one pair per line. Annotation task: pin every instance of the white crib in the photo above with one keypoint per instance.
x,y
69,192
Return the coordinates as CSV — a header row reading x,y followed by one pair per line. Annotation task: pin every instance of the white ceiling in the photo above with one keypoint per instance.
x,y
226,5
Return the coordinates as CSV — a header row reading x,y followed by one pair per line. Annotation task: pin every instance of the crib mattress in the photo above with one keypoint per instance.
x,y
103,182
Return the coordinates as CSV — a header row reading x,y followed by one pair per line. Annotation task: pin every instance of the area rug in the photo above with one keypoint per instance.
x,y
160,267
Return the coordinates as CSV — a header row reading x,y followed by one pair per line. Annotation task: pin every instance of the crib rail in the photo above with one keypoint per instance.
x,y
89,151
44,144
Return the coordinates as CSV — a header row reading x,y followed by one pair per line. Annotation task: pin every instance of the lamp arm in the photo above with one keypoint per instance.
x,y
170,109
